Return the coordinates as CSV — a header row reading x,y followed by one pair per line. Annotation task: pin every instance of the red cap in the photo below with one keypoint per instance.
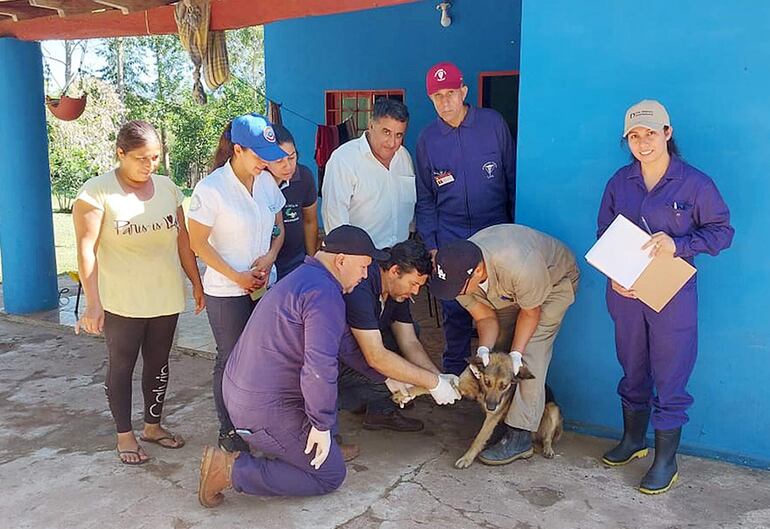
x,y
443,75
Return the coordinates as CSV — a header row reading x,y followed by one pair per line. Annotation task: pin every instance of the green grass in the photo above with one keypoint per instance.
x,y
64,239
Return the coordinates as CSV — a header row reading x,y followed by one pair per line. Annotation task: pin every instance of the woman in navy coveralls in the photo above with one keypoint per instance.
x,y
683,210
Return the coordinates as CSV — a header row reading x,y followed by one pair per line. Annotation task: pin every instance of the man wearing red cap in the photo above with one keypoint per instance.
x,y
465,183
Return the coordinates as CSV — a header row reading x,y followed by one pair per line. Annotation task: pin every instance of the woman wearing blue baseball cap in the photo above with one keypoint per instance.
x,y
233,214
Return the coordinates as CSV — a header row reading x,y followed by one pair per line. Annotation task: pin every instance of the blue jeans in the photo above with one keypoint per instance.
x,y
458,326
227,317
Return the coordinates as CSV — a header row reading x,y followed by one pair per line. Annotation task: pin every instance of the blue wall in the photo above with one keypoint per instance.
x,y
582,64
386,48
708,61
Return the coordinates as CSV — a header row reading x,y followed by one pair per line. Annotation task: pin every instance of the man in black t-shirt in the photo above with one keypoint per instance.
x,y
380,321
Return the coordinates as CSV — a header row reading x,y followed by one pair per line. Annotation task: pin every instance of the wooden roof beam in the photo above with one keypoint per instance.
x,y
132,6
123,9
66,8
21,11
159,20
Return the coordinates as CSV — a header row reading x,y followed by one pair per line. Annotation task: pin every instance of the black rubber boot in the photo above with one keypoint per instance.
x,y
633,444
663,472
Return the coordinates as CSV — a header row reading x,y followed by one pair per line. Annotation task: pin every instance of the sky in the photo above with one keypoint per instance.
x,y
53,58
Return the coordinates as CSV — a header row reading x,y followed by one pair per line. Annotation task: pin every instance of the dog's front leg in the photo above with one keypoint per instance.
x,y
481,439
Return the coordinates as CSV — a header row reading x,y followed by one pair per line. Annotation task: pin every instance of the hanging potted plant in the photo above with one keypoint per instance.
x,y
65,107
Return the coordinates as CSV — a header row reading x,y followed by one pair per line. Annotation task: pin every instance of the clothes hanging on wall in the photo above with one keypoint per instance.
x,y
274,112
328,138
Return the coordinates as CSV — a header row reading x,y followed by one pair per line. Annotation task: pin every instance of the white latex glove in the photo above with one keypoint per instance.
x,y
323,443
396,386
446,391
517,362
483,353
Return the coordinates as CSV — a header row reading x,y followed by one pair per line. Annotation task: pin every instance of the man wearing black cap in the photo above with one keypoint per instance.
x,y
280,382
517,284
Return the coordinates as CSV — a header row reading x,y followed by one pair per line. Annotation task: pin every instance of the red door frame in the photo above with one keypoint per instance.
x,y
497,73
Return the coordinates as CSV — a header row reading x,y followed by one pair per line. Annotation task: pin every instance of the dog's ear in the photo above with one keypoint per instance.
x,y
476,365
524,373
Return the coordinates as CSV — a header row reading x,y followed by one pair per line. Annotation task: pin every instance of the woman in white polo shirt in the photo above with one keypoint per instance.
x,y
236,228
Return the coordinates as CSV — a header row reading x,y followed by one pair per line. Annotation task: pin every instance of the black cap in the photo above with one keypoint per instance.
x,y
455,263
352,240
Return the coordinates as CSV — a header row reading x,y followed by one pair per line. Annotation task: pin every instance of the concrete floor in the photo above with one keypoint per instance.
x,y
193,335
59,469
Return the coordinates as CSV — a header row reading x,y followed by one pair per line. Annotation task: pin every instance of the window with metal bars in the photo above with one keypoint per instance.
x,y
357,105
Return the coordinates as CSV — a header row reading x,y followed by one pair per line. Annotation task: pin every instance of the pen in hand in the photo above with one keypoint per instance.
x,y
646,226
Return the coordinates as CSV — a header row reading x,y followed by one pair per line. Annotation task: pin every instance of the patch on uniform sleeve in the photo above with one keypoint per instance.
x,y
195,203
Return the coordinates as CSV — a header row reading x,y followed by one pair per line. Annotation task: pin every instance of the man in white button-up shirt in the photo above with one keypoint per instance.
x,y
369,182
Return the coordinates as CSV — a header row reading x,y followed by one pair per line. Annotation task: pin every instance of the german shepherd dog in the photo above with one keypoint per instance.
x,y
493,387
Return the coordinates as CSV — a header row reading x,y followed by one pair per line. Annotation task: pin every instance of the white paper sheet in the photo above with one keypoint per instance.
x,y
618,254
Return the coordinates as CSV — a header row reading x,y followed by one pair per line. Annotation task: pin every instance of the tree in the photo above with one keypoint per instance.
x,y
246,49
196,129
85,147
152,77
70,49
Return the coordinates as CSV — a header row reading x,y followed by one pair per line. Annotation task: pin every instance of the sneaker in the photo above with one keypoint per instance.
x,y
515,444
392,421
232,442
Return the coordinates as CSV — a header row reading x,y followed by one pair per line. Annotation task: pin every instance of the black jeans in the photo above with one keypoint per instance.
x,y
125,337
227,317
356,391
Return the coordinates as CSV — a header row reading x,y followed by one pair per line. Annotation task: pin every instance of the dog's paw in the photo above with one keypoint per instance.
x,y
464,462
401,398
548,453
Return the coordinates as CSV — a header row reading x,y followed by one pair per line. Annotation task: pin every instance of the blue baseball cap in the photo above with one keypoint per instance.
x,y
255,132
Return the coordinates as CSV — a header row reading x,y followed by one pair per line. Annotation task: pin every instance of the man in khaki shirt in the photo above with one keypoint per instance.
x,y
517,284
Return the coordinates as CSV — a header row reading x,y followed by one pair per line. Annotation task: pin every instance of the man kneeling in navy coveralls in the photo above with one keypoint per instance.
x,y
280,383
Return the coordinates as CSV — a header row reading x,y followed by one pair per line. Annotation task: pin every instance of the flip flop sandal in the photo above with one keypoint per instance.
x,y
138,453
159,441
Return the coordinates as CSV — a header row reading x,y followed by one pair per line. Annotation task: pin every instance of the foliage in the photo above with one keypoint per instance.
x,y
85,147
150,78
196,129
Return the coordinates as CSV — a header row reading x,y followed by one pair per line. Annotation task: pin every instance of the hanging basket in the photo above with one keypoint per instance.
x,y
66,108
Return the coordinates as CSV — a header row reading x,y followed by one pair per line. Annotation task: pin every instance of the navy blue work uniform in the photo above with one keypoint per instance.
x,y
658,350
300,192
281,380
465,183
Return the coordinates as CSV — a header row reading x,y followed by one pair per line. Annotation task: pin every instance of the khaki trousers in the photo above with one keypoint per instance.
x,y
529,400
